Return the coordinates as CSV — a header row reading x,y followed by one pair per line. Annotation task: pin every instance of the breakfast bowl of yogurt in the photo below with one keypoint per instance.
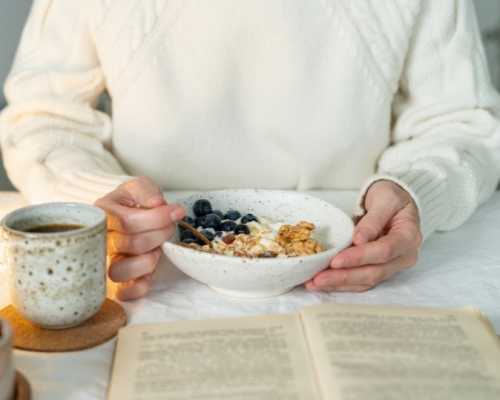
x,y
257,243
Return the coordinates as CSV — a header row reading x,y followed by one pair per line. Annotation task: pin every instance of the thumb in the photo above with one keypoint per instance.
x,y
140,192
380,210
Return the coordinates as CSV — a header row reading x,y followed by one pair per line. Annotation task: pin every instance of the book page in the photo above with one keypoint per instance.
x,y
381,353
261,358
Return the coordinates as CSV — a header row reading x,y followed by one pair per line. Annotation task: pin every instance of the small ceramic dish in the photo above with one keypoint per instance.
x,y
264,277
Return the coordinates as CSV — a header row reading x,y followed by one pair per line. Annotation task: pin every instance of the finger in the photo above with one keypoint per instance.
x,y
311,286
120,243
331,280
369,275
134,289
373,224
348,289
143,191
130,268
136,220
381,251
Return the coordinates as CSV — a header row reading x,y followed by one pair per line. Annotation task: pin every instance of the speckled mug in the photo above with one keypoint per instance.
x,y
7,371
57,280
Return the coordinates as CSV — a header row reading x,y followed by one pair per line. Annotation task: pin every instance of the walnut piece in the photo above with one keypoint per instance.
x,y
295,233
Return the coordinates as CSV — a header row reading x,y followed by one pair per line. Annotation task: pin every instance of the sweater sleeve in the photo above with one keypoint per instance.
x,y
446,136
54,143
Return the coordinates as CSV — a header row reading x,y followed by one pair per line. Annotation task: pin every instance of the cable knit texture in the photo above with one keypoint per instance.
x,y
323,94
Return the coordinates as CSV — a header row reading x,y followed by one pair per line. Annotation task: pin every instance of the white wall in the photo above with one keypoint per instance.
x,y
489,19
12,16
14,12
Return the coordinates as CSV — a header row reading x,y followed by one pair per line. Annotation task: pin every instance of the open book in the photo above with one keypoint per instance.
x,y
326,352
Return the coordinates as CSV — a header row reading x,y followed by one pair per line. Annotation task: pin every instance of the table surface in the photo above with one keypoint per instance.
x,y
456,269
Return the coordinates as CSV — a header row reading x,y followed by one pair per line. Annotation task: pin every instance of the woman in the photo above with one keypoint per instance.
x,y
392,98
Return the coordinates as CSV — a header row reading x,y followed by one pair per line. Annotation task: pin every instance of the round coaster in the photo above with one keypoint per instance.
x,y
96,330
23,388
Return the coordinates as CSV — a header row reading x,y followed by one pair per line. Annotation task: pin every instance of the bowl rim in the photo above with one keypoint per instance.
x,y
256,260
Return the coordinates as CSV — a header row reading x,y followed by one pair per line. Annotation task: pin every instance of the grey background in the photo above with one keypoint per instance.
x,y
14,12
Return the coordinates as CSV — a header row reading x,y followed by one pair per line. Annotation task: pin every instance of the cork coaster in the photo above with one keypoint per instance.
x,y
97,330
23,388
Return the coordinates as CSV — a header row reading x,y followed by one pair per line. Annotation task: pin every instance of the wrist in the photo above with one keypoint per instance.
x,y
426,190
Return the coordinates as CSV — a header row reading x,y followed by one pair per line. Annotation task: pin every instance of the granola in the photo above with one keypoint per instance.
x,y
244,235
263,242
296,240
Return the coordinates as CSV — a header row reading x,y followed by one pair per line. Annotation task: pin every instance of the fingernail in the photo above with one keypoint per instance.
x,y
177,213
156,201
337,263
127,202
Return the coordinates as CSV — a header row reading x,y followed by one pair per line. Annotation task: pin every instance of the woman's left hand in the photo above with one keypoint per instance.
x,y
386,240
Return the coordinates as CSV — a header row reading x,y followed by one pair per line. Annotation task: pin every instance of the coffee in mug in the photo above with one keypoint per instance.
x,y
54,228
56,254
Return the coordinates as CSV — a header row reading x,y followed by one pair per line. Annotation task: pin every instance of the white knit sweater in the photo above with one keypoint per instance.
x,y
288,94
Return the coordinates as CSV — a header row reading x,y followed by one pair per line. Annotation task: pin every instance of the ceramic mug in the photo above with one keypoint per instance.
x,y
58,277
7,371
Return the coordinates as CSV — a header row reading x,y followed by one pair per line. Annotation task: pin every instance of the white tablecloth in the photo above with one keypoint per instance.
x,y
460,268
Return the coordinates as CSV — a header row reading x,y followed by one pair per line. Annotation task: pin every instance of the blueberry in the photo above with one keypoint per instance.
x,y
232,215
211,221
228,226
219,233
199,221
187,235
208,234
190,241
187,220
219,213
241,229
202,207
249,218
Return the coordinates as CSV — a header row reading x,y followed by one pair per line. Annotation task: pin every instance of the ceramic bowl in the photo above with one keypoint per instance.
x,y
259,277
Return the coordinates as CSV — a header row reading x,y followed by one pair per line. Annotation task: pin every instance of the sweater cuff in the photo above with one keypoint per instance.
x,y
76,186
87,187
427,191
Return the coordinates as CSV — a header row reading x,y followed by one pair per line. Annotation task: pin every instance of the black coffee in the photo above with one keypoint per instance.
x,y
54,228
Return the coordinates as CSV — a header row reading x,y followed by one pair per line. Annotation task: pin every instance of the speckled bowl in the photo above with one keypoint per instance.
x,y
57,280
259,278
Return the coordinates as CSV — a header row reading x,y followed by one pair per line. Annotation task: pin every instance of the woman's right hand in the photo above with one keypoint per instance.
x,y
139,222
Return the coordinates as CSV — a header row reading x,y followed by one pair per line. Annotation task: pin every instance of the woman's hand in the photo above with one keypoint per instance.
x,y
386,240
139,221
